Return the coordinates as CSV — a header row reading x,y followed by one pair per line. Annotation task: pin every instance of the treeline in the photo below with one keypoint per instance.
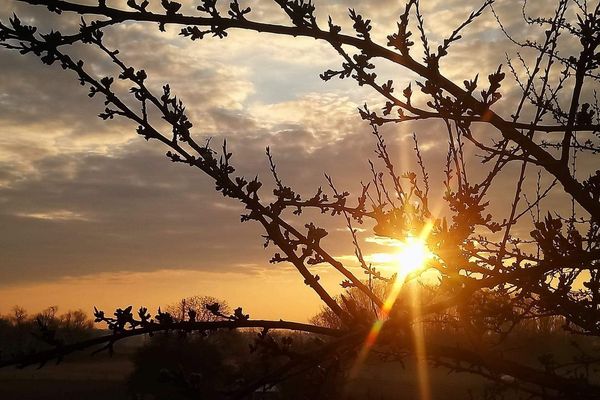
x,y
486,314
21,332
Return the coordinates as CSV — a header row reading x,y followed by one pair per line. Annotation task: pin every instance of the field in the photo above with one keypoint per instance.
x,y
102,377
91,378
390,381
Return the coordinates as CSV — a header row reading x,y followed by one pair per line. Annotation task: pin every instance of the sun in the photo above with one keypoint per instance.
x,y
412,255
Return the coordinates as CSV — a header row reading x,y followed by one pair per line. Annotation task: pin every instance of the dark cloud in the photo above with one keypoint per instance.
x,y
85,214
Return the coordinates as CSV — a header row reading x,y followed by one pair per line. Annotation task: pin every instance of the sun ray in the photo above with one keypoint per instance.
x,y
418,332
412,256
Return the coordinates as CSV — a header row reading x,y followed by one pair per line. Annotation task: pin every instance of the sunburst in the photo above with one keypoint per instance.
x,y
412,255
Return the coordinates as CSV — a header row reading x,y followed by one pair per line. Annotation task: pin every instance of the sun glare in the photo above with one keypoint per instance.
x,y
412,255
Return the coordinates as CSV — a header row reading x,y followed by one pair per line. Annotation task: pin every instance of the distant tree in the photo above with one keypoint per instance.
x,y
21,333
19,315
47,317
550,131
200,306
75,321
352,301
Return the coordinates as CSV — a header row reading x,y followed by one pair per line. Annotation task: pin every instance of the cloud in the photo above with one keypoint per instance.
x,y
55,215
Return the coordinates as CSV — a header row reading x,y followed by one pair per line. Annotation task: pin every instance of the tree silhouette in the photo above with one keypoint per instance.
x,y
491,279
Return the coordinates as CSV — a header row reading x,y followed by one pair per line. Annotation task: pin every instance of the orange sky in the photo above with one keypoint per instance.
x,y
269,296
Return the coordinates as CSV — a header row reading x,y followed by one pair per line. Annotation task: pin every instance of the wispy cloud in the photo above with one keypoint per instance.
x,y
55,215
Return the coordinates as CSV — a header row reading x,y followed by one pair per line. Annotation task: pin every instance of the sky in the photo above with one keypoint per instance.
x,y
93,215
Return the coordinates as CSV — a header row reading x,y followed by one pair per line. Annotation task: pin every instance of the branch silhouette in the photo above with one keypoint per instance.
x,y
554,273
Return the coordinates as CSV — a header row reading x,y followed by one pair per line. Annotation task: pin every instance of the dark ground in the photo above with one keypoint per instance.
x,y
91,378
104,378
